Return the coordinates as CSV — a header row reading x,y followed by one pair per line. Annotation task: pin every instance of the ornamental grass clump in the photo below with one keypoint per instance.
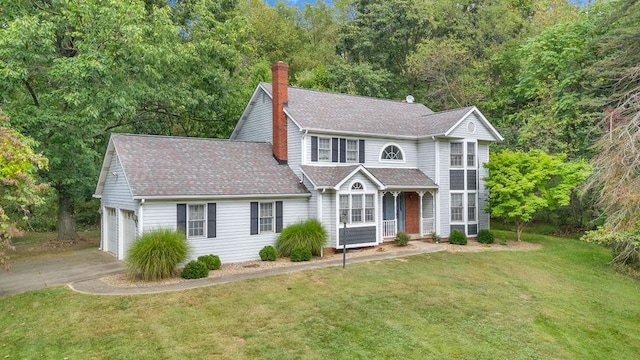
x,y
457,237
402,239
306,234
155,255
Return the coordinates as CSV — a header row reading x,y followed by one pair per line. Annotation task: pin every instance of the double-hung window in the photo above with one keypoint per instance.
x,y
324,149
457,207
471,154
456,153
356,208
266,217
471,207
352,150
195,220
369,208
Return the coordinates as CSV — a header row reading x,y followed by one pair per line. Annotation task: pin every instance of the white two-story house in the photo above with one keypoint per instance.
x,y
381,166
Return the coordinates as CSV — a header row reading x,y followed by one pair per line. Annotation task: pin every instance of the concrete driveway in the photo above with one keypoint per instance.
x,y
58,270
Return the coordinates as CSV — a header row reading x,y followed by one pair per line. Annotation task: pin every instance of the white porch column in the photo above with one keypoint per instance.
x,y
421,194
395,207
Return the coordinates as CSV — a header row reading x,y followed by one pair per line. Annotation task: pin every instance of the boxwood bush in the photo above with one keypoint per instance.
x,y
402,239
195,270
485,236
212,261
300,254
268,253
457,237
155,255
309,234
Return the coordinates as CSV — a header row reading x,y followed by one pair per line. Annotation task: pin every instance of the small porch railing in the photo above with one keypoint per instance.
x,y
428,226
388,228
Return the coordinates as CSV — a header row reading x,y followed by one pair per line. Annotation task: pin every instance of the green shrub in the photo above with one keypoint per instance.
x,y
195,270
268,253
485,236
402,239
435,237
212,261
503,241
156,253
457,237
309,234
300,254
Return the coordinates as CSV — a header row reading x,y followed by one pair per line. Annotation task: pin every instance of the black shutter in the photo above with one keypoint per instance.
x,y
181,221
334,150
254,218
278,216
211,220
343,150
314,148
361,151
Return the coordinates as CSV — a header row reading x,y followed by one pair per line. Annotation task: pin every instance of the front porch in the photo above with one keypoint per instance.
x,y
409,212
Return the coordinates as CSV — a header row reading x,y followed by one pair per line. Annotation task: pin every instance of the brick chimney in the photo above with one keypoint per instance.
x,y
279,86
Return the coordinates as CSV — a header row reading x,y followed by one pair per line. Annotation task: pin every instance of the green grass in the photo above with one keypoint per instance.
x,y
562,302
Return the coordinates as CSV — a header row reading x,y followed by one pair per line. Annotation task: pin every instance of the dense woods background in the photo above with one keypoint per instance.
x,y
548,74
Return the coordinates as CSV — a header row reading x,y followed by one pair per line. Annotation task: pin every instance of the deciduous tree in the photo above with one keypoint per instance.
x,y
522,183
19,184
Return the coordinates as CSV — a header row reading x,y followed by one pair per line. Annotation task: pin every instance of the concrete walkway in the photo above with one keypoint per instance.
x,y
96,286
82,271
58,270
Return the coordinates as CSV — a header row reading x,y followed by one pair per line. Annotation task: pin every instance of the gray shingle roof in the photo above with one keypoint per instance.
x,y
402,178
176,166
392,178
320,110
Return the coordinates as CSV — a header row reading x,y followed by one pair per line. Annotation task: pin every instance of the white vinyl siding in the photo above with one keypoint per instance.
x,y
231,242
427,158
294,147
257,125
374,148
443,191
481,131
116,192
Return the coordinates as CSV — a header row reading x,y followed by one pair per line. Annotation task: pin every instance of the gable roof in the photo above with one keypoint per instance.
x,y
179,167
332,177
341,113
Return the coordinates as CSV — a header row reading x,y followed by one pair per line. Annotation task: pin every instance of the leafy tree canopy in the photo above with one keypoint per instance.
x,y
19,184
522,183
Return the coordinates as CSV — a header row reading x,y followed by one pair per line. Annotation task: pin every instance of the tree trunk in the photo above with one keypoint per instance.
x,y
66,221
519,228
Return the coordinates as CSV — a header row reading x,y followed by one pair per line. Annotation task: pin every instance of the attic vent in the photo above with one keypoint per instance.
x,y
410,99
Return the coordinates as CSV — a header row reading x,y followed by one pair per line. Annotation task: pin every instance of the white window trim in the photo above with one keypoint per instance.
x,y
392,161
475,195
204,220
457,222
363,193
346,151
330,149
273,217
463,159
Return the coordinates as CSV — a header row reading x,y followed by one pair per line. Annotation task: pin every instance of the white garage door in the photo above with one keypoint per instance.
x,y
128,229
112,233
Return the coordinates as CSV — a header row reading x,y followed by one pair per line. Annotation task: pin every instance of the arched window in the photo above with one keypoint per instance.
x,y
357,186
391,152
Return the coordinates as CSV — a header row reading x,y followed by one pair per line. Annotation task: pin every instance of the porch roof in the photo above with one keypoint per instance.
x,y
390,178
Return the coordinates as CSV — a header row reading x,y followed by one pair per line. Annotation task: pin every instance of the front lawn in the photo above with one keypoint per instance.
x,y
562,302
